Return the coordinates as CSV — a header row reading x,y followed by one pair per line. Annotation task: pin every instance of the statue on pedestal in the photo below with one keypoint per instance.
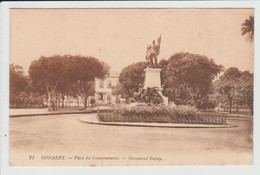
x,y
151,92
152,52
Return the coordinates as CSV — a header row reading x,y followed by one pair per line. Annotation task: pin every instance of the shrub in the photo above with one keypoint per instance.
x,y
25,100
149,95
158,113
131,100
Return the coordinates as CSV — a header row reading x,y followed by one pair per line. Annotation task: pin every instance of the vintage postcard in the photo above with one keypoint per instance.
x,y
131,87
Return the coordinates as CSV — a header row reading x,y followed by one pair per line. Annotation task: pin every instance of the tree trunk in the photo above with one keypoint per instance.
x,y
230,105
52,104
49,101
59,97
85,102
62,101
53,101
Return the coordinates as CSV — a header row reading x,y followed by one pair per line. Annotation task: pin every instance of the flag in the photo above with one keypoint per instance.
x,y
159,39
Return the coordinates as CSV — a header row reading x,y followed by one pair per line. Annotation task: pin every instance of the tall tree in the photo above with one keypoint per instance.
x,y
18,82
246,89
46,74
228,85
131,78
247,28
187,78
82,72
57,75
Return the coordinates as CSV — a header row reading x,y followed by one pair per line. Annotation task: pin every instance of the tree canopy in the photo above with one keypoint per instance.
x,y
131,78
56,75
18,81
247,28
247,89
187,78
236,87
22,94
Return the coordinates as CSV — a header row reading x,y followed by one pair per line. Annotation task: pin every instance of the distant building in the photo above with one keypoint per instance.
x,y
103,88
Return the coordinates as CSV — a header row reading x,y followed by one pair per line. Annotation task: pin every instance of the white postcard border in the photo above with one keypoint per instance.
x,y
4,91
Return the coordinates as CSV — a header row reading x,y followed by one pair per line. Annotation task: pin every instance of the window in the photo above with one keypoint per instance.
x,y
101,96
109,84
101,83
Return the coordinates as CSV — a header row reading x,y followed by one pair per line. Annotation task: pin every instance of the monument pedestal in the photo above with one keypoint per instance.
x,y
153,80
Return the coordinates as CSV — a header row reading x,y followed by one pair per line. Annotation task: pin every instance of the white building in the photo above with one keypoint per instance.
x,y
103,88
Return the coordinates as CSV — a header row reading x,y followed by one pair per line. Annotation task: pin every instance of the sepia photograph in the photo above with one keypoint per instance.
x,y
131,87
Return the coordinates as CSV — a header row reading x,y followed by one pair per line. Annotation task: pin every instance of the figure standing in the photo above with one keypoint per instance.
x,y
152,52
148,55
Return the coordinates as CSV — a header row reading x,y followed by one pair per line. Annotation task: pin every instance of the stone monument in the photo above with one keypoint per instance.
x,y
153,72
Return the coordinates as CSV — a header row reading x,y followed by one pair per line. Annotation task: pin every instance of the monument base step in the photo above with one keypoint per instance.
x,y
165,99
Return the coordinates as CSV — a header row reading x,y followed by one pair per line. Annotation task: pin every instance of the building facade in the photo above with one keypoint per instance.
x,y
103,88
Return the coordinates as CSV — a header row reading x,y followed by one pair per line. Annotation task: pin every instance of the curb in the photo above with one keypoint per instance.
x,y
240,119
55,113
158,125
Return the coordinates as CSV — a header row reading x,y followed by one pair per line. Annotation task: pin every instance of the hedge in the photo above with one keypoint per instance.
x,y
159,114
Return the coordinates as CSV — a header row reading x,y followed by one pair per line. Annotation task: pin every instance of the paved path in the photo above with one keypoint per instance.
x,y
27,111
93,119
65,135
44,111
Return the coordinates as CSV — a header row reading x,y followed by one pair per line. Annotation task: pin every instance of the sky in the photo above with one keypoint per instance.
x,y
119,37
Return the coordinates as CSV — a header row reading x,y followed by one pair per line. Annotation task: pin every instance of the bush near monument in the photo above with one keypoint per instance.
x,y
159,113
149,96
129,80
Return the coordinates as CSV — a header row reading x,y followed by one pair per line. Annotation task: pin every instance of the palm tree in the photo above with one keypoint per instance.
x,y
248,28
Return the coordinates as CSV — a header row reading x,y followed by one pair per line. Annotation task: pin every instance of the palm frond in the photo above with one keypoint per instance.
x,y
248,28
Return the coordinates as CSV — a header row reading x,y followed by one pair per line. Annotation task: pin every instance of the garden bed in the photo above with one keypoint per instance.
x,y
159,114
